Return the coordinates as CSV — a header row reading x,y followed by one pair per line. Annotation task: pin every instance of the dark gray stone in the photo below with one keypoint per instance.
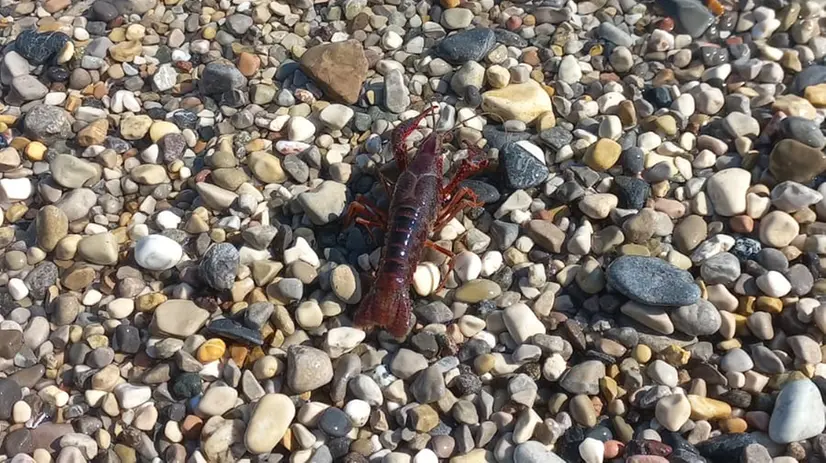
x,y
219,78
9,394
556,137
804,131
652,281
48,124
469,45
219,266
722,268
334,422
725,447
429,386
812,75
691,16
522,169
40,278
257,314
226,328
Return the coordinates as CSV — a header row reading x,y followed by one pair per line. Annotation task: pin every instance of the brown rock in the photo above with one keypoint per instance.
x,y
547,235
53,6
52,226
338,68
11,341
792,160
248,64
46,434
742,224
78,277
94,133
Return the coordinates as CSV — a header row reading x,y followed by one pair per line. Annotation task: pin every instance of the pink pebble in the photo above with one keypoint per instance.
x,y
646,459
613,448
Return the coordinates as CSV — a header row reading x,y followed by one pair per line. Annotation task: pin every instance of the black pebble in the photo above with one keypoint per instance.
x,y
726,447
38,48
57,74
660,97
127,339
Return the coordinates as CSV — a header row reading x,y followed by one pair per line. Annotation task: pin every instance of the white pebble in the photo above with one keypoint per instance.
x,y
16,189
425,456
592,450
300,128
491,262
426,278
467,266
358,411
158,252
167,220
120,308
91,297
17,289
774,284
301,251
21,412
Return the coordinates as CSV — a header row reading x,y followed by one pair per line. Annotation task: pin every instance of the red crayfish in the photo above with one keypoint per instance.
x,y
421,203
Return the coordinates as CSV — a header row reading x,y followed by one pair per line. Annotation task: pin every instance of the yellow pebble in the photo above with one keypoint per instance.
x,y
704,408
35,151
675,355
16,212
212,350
484,363
769,304
733,425
642,353
97,340
149,301
729,344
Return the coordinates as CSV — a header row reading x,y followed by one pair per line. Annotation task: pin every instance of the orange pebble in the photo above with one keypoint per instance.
x,y
742,224
211,350
191,427
734,425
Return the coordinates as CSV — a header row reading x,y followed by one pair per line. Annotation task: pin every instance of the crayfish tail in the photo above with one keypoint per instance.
x,y
389,313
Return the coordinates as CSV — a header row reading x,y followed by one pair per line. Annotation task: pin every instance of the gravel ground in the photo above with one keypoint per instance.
x,y
643,283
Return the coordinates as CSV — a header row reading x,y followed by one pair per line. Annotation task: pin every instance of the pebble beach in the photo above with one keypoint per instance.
x,y
643,282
